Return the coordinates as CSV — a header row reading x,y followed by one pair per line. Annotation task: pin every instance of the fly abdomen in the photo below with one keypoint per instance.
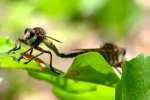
x,y
71,55
76,53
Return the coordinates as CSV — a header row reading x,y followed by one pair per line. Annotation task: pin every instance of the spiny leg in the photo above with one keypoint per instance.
x,y
34,57
120,58
31,52
22,54
46,51
118,63
17,46
123,54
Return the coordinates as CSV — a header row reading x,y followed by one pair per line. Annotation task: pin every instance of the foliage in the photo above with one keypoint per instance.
x,y
80,87
114,18
89,77
135,82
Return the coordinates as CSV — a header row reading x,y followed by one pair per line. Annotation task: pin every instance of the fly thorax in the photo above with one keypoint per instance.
x,y
47,42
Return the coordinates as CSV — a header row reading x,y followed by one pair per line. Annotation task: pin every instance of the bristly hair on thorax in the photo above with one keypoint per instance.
x,y
39,31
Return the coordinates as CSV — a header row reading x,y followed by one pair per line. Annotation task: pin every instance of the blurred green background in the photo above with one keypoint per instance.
x,y
78,24
113,19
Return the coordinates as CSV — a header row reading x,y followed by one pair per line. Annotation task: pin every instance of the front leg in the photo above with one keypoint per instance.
x,y
17,45
31,52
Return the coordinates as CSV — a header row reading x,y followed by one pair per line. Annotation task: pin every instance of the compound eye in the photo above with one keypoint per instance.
x,y
32,31
26,30
32,34
124,51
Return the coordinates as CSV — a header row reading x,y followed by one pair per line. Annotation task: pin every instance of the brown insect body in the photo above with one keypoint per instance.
x,y
112,53
33,37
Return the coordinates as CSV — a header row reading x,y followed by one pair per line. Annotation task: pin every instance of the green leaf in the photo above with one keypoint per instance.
x,y
62,10
117,17
63,86
5,44
135,82
92,67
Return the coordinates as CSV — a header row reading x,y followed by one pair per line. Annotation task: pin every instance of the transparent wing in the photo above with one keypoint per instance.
x,y
53,39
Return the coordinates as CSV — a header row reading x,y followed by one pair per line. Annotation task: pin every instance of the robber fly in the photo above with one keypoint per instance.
x,y
112,53
34,37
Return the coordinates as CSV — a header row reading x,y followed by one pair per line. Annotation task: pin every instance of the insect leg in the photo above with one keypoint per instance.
x,y
34,57
46,51
22,54
31,52
123,53
120,58
17,46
